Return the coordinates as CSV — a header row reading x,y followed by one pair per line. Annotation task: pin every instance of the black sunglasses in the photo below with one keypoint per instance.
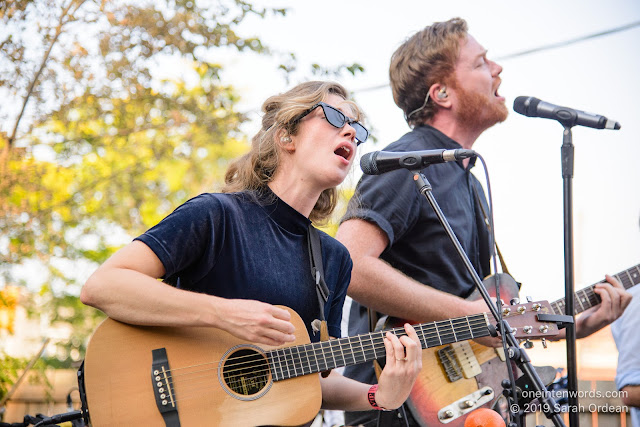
x,y
337,119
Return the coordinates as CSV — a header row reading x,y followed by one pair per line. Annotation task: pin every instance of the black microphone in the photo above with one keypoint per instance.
x,y
378,162
533,107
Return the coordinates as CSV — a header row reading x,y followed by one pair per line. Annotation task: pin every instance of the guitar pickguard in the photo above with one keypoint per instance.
x,y
467,359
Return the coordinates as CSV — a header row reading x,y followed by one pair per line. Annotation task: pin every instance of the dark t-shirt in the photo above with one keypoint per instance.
x,y
238,246
418,244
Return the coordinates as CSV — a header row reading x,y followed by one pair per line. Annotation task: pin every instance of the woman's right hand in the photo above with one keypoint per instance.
x,y
254,321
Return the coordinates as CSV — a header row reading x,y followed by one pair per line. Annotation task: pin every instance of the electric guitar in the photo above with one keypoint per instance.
x,y
157,376
457,378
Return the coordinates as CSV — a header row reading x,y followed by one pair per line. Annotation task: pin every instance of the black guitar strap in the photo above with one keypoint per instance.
x,y
317,272
503,265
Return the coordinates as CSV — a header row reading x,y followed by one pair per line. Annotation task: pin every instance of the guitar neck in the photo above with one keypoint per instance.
x,y
587,298
290,362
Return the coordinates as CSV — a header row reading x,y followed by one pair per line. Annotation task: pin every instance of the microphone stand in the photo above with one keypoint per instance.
x,y
567,175
515,353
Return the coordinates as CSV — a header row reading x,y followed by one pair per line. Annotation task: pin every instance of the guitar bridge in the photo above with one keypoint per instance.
x,y
459,361
163,387
447,358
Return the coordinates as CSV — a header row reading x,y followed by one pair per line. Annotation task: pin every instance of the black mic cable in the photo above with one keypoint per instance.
x,y
60,418
492,245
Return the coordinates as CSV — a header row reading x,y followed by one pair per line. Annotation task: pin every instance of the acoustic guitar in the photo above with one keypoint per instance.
x,y
168,376
457,378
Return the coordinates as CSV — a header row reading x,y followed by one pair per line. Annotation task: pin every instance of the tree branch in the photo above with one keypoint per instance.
x,y
61,23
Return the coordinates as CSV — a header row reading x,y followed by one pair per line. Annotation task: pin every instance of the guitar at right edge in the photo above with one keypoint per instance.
x,y
456,378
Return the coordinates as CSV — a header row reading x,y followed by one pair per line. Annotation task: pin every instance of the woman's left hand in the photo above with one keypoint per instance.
x,y
404,362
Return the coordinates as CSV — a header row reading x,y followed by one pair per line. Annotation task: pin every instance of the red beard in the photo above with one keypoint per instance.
x,y
476,110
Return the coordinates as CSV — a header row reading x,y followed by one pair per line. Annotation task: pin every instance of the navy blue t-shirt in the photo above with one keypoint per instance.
x,y
238,245
418,244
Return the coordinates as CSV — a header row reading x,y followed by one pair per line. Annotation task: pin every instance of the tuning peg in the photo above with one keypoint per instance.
x,y
514,301
544,342
528,344
529,298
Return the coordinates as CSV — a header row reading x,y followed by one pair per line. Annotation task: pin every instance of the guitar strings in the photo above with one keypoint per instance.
x,y
426,335
425,332
628,278
333,346
286,365
312,351
193,387
343,342
588,294
309,353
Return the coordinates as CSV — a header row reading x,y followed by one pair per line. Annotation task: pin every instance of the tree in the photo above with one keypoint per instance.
x,y
96,143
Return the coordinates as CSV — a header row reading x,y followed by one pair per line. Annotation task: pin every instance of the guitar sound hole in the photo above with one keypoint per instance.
x,y
246,372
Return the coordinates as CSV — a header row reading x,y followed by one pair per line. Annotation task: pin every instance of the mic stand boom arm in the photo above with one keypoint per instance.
x,y
518,355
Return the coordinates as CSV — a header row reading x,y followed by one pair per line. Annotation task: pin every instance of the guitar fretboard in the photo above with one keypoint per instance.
x,y
587,298
311,358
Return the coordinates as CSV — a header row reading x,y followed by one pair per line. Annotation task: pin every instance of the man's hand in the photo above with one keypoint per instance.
x,y
615,300
480,306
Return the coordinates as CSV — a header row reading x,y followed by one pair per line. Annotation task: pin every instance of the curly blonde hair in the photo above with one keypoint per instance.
x,y
254,170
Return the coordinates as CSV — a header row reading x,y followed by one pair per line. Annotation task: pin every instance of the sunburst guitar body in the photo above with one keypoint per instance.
x,y
460,377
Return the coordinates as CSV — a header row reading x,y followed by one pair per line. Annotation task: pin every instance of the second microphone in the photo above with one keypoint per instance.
x,y
378,162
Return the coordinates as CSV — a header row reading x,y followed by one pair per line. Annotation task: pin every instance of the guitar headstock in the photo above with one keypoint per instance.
x,y
524,319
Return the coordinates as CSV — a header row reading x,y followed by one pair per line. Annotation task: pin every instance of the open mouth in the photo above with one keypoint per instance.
x,y
343,151
495,93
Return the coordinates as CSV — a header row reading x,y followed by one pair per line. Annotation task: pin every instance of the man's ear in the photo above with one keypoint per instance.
x,y
438,93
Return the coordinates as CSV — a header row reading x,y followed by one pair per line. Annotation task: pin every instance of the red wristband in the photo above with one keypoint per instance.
x,y
371,395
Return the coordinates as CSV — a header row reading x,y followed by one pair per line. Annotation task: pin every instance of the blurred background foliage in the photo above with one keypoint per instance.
x,y
95,145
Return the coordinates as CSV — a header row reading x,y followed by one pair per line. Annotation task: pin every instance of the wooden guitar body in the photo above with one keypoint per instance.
x,y
120,391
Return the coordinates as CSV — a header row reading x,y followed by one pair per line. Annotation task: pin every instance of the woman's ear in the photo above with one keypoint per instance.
x,y
285,141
